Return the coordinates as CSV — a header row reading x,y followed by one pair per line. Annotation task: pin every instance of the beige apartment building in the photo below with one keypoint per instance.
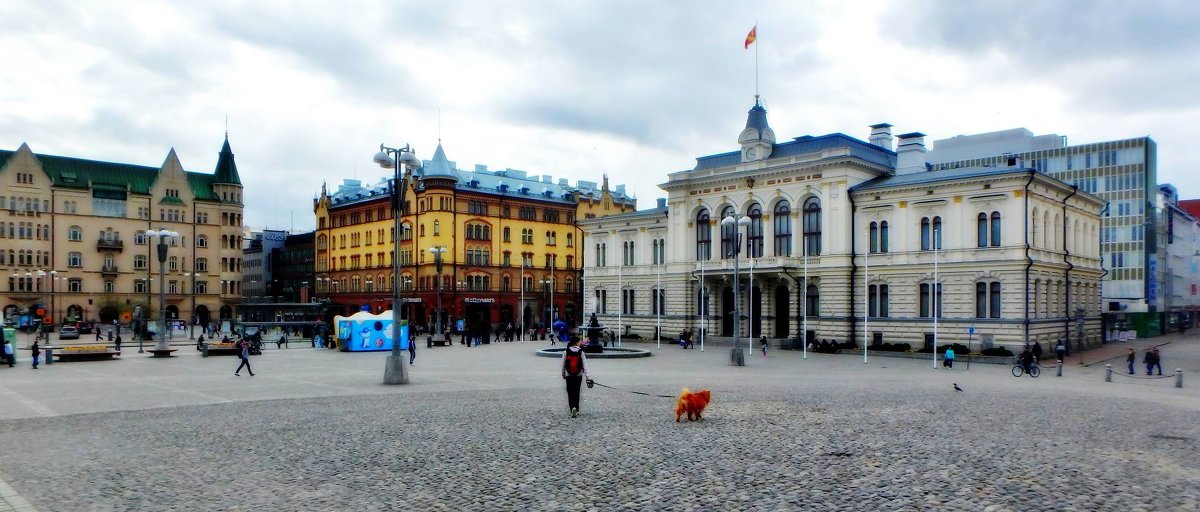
x,y
74,243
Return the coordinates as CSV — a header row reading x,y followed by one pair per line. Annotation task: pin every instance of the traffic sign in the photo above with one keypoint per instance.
x,y
970,330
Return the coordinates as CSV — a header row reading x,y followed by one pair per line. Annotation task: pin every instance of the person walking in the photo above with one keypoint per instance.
x,y
117,342
1060,350
8,349
948,358
37,352
762,343
1037,351
1130,358
1157,360
412,349
574,371
245,355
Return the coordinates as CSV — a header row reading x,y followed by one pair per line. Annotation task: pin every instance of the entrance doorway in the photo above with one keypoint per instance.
x,y
506,315
173,312
781,312
755,311
202,315
727,312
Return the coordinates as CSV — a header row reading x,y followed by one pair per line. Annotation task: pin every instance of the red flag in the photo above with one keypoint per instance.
x,y
751,37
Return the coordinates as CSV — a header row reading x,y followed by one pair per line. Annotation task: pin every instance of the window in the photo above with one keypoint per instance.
x,y
139,238
995,227
658,304
627,298
109,286
877,303
201,264
783,229
928,302
570,240
75,234
931,233
874,238
201,287
754,232
981,230
601,301
812,301
812,226
703,236
139,262
75,284
627,253
659,251
507,235
527,236
141,286
74,259
601,255
987,300
173,263
728,233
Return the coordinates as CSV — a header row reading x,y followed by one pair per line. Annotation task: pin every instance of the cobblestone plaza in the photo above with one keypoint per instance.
x,y
487,429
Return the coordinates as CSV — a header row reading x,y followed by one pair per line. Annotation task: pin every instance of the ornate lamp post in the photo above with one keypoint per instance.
x,y
162,234
194,319
736,222
395,371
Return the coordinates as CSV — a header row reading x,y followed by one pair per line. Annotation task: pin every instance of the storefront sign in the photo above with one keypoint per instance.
x,y
479,300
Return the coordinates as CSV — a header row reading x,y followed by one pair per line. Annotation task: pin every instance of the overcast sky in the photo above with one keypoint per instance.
x,y
574,89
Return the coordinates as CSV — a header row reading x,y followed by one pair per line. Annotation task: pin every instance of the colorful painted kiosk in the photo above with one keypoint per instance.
x,y
364,332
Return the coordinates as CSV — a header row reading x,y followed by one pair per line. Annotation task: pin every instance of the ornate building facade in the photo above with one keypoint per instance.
x,y
73,241
849,240
508,243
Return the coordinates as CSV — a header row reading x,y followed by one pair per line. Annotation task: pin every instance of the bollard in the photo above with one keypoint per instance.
x,y
1108,373
1179,377
49,353
1060,367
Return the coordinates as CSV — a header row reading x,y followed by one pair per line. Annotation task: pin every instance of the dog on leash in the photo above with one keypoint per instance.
x,y
692,403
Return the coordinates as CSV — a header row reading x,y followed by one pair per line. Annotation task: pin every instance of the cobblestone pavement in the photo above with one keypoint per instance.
x,y
487,429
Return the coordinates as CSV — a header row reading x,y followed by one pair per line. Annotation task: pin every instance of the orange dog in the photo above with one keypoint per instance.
x,y
692,403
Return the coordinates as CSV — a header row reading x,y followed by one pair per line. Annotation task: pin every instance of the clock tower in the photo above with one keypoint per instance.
x,y
758,139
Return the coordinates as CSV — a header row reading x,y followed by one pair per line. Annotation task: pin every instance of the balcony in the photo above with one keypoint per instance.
x,y
109,270
110,244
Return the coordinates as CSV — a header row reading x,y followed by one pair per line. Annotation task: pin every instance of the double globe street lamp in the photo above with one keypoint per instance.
x,y
161,349
395,372
736,223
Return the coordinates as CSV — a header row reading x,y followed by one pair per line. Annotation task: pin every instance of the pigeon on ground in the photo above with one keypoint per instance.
x,y
956,388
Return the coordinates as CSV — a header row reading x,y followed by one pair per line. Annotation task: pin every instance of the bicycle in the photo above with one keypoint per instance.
x,y
1034,371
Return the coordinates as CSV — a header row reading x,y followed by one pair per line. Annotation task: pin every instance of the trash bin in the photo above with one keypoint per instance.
x,y
49,354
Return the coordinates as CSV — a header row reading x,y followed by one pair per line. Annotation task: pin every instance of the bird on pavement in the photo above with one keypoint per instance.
x,y
956,388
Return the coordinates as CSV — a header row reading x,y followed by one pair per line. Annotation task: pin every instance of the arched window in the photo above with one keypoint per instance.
x,y
812,226
874,240
728,233
981,230
925,234
812,301
75,234
703,236
883,238
995,229
754,232
783,229
937,233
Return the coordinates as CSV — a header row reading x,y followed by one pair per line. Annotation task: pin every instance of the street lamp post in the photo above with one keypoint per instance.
x,y
736,222
547,284
437,283
194,318
162,234
395,372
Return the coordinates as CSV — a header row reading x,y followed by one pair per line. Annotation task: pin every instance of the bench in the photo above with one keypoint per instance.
x,y
160,352
430,342
87,353
220,349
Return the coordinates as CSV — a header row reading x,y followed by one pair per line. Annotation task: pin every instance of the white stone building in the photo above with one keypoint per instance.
x,y
1017,251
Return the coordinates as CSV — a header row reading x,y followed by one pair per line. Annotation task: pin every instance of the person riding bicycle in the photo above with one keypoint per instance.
x,y
1026,359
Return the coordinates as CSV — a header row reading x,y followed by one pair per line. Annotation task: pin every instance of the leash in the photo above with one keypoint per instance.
x,y
631,391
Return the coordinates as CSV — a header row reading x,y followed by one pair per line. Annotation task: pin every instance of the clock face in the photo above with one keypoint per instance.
x,y
751,153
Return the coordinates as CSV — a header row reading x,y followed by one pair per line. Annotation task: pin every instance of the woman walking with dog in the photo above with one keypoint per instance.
x,y
574,371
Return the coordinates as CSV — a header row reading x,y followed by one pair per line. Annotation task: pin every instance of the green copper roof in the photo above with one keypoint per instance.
x,y
226,171
137,179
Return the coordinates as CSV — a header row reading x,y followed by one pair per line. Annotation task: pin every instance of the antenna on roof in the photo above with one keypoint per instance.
x,y
439,125
226,126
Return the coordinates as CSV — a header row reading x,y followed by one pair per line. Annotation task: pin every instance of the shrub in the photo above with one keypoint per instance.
x,y
997,351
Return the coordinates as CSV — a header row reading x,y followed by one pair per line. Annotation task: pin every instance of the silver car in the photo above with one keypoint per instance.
x,y
68,332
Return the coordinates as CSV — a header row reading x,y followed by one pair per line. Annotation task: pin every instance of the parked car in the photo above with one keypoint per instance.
x,y
68,333
85,327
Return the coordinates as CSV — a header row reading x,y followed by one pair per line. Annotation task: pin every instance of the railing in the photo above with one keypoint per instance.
x,y
110,243
109,269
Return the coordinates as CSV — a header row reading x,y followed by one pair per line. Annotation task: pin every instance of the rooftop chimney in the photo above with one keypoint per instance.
x,y
910,153
662,202
881,135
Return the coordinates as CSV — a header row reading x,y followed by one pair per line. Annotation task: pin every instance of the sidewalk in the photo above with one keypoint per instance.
x,y
1116,351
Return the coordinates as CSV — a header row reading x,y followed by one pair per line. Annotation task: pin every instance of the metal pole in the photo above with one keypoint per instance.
x,y
658,305
620,288
552,316
737,304
703,302
804,301
866,292
750,303
521,307
162,297
934,295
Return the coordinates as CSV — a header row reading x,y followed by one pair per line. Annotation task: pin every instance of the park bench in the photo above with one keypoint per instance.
x,y
85,353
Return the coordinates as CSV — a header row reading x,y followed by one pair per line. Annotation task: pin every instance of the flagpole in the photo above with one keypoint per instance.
x,y
750,302
866,293
703,306
521,308
756,59
658,305
934,295
804,300
622,290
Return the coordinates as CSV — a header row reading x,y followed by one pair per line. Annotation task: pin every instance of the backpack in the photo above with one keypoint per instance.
x,y
573,363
